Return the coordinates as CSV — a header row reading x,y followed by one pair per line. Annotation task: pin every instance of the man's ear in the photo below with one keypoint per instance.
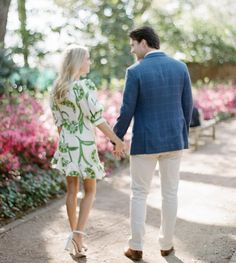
x,y
144,43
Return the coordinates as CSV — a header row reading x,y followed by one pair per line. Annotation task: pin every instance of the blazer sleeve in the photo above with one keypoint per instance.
x,y
127,110
187,100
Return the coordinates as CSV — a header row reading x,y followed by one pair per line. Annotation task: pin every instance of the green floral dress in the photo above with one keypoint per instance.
x,y
76,154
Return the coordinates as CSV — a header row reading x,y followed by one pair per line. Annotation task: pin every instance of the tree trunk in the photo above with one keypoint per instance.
x,y
23,30
4,8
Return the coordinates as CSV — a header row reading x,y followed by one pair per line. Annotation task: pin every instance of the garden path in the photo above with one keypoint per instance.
x,y
206,225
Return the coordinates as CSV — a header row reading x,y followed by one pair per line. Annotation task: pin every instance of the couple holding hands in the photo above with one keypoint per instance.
x,y
158,96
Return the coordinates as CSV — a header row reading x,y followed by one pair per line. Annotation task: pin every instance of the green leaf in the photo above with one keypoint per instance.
x,y
73,148
87,142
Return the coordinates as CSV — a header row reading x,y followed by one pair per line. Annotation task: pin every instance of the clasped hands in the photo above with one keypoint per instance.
x,y
119,149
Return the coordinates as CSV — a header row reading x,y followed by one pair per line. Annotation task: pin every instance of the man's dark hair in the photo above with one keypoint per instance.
x,y
148,34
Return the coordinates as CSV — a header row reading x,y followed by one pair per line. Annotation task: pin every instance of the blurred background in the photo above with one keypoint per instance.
x,y
32,37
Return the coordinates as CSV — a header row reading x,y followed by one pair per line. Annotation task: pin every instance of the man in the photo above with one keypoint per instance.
x,y
158,95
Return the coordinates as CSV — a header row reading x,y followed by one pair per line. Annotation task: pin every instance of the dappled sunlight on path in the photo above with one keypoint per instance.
x,y
205,229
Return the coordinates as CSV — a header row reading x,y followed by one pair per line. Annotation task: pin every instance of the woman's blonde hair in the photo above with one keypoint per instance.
x,y
72,61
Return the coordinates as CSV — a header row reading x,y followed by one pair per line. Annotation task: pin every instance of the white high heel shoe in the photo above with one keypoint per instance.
x,y
72,246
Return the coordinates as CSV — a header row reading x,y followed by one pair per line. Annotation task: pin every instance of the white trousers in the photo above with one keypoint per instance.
x,y
142,168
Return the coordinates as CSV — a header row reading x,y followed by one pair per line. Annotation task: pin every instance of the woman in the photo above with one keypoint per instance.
x,y
77,111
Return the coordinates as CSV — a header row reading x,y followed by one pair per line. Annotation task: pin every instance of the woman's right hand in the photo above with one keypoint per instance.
x,y
119,149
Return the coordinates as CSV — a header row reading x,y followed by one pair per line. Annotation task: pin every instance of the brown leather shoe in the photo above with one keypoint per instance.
x,y
135,255
166,253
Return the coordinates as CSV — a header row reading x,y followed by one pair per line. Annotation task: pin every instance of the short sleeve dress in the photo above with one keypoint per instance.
x,y
76,154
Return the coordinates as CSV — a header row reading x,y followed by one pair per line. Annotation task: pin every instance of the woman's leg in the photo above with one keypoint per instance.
x,y
71,200
85,207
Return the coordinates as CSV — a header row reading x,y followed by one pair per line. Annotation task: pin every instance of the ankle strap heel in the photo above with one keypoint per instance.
x,y
79,232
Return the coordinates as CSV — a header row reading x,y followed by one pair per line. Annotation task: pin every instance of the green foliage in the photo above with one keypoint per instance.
x,y
29,39
7,69
7,65
106,28
222,116
30,191
45,79
115,20
212,43
26,78
112,56
33,79
183,34
198,41
14,78
23,30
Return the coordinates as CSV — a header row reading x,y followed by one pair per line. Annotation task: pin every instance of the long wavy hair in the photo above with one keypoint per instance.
x,y
72,61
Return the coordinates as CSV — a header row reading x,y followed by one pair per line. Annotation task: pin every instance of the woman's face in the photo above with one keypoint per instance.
x,y
85,67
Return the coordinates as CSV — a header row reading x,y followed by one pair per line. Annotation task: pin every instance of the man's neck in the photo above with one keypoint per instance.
x,y
147,52
151,49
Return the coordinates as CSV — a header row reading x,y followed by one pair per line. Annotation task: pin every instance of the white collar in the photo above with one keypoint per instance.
x,y
153,51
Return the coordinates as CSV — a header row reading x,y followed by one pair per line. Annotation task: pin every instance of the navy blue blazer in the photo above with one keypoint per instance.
x,y
158,97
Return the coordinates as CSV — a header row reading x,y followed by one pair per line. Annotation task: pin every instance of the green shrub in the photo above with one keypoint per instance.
x,y
30,191
7,68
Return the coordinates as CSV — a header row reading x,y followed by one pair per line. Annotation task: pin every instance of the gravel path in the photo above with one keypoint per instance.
x,y
206,225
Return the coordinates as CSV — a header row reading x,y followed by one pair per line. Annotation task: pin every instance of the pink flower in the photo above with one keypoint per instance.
x,y
221,99
26,138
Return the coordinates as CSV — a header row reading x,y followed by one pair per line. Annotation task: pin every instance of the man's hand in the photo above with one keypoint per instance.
x,y
119,149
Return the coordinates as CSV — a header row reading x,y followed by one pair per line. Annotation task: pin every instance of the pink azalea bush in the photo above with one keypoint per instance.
x,y
26,138
215,102
111,100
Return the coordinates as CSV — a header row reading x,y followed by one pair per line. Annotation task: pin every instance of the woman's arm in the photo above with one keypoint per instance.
x,y
59,130
119,144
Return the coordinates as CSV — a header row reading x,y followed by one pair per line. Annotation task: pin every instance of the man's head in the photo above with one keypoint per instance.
x,y
143,40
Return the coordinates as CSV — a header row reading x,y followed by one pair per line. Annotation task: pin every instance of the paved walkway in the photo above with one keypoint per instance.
x,y
205,230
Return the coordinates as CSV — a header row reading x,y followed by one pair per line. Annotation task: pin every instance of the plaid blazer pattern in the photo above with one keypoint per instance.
x,y
158,97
